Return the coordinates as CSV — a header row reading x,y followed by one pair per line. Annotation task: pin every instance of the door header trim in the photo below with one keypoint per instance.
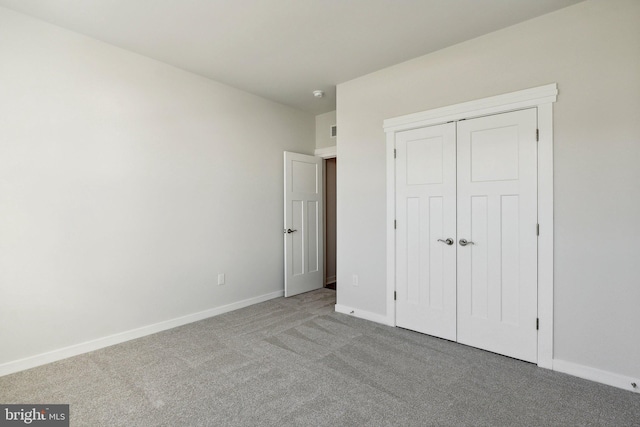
x,y
326,153
496,104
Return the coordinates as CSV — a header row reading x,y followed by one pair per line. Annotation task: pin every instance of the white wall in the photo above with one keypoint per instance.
x,y
323,127
126,185
592,50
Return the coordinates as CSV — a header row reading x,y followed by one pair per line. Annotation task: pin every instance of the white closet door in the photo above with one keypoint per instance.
x,y
497,211
426,218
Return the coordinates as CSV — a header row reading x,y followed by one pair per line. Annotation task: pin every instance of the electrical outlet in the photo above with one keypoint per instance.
x,y
354,279
221,279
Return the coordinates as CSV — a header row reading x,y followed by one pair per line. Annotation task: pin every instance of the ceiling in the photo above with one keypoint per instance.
x,y
284,49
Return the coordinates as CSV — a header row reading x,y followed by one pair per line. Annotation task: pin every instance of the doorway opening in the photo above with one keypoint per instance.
x,y
330,167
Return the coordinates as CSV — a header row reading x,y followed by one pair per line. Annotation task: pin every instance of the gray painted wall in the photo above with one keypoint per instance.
x,y
126,186
592,51
323,125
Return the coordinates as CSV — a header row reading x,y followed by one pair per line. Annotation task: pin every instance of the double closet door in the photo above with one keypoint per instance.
x,y
466,233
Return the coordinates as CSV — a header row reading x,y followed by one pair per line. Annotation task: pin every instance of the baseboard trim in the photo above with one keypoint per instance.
x,y
329,280
96,344
577,370
597,375
366,315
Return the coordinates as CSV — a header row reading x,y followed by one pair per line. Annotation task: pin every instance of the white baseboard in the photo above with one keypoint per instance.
x,y
597,375
581,371
366,315
85,347
329,280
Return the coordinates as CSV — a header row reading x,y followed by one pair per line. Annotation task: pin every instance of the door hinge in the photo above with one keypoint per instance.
x,y
394,153
537,229
395,295
537,323
537,134
395,224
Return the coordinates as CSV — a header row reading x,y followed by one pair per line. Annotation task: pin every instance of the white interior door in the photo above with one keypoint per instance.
x,y
426,230
497,211
303,223
474,182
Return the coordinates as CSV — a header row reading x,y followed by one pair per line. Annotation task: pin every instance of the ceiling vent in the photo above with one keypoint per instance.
x,y
334,131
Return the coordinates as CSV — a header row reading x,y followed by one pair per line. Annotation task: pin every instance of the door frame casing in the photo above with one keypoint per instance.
x,y
542,98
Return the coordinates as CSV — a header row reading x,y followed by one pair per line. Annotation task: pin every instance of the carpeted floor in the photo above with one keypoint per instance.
x,y
296,362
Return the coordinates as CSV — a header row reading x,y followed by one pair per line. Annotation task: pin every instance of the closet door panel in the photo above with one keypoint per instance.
x,y
426,217
497,214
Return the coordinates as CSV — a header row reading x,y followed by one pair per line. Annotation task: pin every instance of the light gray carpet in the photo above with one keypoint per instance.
x,y
296,362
